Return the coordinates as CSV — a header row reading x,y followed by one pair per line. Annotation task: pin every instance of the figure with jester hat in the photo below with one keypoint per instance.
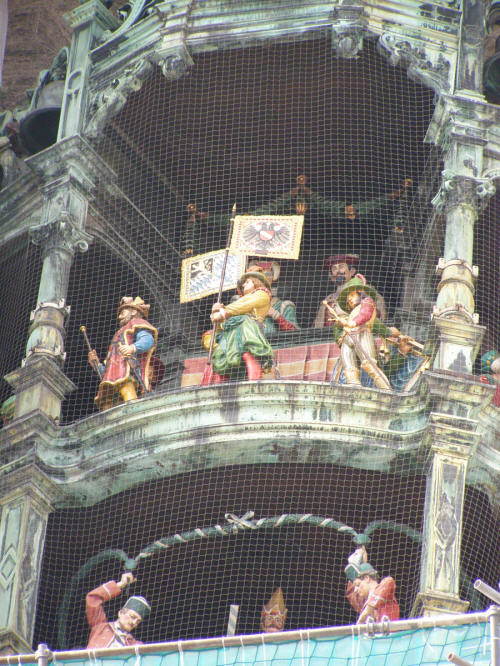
x,y
273,616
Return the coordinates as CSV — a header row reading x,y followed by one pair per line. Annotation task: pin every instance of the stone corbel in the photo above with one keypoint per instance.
x,y
348,30
421,65
176,65
104,104
174,60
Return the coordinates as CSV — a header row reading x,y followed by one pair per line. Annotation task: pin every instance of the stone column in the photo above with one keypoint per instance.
x,y
70,170
27,497
460,126
460,334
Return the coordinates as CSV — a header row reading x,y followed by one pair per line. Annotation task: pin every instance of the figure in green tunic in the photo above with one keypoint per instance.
x,y
240,340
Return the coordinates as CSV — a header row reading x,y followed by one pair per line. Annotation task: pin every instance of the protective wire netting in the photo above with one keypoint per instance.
x,y
242,127
192,583
406,648
20,275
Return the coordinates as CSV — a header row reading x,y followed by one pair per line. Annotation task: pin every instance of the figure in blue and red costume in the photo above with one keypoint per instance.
x,y
369,597
127,371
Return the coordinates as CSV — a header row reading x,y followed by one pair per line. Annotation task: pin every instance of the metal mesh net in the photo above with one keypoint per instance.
x,y
192,579
270,128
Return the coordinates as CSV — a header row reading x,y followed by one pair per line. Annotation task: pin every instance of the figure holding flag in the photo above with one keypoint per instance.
x,y
239,338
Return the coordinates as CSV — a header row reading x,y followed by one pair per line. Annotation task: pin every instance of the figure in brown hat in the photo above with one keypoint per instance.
x,y
127,370
343,267
281,315
273,615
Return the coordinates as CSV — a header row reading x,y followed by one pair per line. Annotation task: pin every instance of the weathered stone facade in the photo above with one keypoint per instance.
x,y
446,424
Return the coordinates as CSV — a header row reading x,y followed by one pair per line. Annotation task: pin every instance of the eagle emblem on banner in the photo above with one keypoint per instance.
x,y
200,275
275,236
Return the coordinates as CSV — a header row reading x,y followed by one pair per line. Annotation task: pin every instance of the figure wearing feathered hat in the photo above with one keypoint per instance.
x,y
282,315
490,373
127,369
354,330
368,596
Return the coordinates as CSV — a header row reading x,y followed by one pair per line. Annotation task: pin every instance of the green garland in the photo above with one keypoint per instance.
x,y
285,205
233,525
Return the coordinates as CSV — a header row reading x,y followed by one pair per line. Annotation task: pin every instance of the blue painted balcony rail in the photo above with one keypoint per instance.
x,y
428,640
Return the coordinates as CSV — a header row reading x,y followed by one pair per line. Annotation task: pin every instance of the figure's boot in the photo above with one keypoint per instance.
x,y
254,370
211,377
352,376
378,376
128,392
218,379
